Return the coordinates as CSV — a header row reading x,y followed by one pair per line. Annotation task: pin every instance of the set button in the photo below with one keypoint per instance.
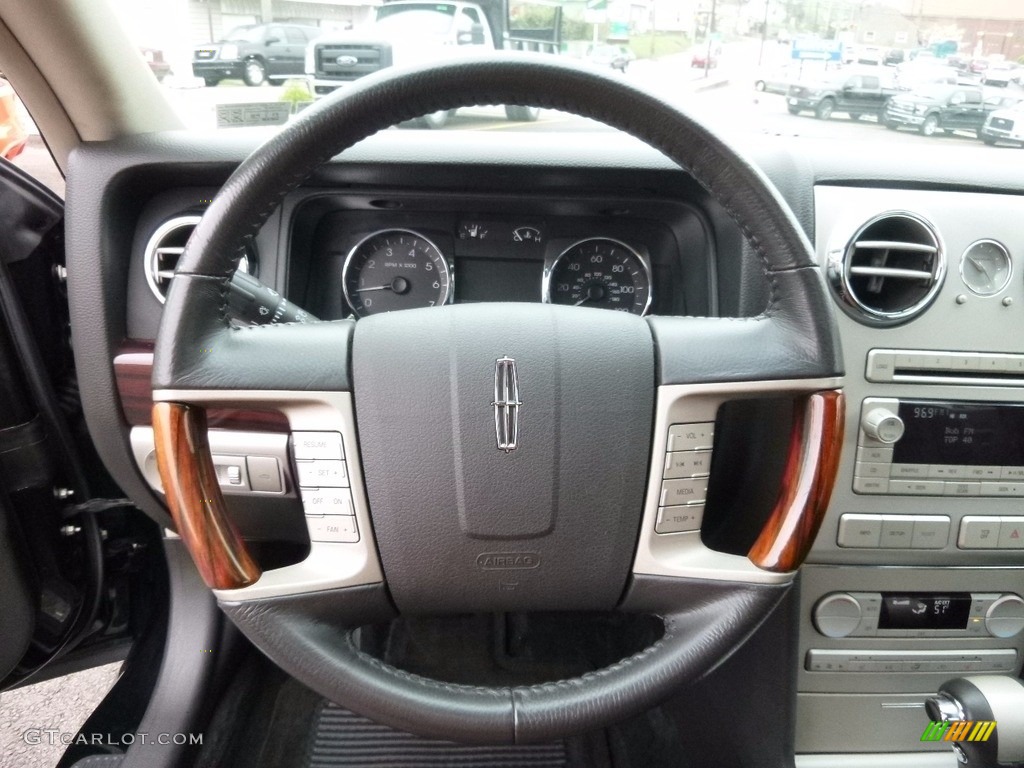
x,y
323,484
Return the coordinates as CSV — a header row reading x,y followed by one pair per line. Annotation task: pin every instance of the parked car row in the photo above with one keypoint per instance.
x,y
931,109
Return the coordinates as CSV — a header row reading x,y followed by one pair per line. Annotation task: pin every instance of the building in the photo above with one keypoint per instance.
x,y
981,27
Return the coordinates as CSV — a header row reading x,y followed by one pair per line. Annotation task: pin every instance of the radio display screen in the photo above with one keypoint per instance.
x,y
966,434
924,611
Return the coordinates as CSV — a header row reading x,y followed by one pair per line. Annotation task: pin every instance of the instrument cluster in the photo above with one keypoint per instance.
x,y
405,268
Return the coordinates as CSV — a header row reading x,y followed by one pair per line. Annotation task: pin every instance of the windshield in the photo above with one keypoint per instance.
x,y
826,69
244,34
430,23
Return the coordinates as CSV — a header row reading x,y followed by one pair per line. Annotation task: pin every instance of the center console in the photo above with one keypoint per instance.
x,y
917,574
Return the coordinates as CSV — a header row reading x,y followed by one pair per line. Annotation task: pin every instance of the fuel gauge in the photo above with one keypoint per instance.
x,y
986,267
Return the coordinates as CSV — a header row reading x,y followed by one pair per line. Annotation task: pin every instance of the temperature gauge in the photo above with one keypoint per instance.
x,y
526,235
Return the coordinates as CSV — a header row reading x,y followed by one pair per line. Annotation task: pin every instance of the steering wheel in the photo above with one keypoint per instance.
x,y
495,457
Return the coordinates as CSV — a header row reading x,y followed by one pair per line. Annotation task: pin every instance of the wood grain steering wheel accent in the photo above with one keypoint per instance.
x,y
194,497
811,466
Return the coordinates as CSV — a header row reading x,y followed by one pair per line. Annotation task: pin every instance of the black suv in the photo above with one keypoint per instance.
x,y
939,108
255,53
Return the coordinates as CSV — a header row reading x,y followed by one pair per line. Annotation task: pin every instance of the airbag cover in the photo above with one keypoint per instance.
x,y
464,526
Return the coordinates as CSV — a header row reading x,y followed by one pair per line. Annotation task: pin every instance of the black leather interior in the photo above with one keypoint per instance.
x,y
309,637
794,337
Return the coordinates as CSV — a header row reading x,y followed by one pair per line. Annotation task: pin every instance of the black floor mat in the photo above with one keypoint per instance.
x,y
342,738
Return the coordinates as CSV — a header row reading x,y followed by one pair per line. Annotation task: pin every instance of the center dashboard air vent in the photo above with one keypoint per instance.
x,y
165,247
890,270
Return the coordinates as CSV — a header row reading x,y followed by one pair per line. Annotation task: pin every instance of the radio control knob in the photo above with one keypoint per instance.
x,y
837,615
883,425
1005,617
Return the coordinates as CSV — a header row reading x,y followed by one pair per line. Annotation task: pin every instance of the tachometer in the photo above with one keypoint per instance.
x,y
395,269
600,272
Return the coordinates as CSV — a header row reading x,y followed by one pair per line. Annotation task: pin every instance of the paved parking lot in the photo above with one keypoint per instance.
x,y
33,718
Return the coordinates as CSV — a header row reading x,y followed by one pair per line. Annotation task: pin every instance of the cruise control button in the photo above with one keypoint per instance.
x,y
690,491
322,474
679,519
691,437
317,445
327,501
687,464
338,528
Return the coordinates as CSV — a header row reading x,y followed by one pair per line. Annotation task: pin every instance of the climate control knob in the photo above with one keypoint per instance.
x,y
1005,617
837,615
883,425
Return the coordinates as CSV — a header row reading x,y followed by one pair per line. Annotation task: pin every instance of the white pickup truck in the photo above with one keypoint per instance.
x,y
406,32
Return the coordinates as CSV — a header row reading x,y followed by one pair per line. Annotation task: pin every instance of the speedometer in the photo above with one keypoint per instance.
x,y
395,269
600,272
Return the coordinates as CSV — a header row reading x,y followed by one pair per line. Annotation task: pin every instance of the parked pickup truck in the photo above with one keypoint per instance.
x,y
854,94
939,108
411,31
1004,125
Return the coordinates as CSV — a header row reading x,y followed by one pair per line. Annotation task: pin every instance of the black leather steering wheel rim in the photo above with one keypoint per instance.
x,y
302,634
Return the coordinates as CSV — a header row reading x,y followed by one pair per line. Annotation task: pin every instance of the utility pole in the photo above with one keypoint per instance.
x,y
764,33
711,39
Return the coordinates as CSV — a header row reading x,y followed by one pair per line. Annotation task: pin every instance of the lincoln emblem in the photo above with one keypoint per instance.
x,y
506,404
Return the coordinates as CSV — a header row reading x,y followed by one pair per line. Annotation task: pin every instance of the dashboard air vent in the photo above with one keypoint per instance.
x,y
890,271
165,247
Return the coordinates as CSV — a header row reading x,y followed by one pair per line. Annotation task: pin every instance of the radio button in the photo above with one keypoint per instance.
x,y
874,455
983,473
1002,489
871,469
883,425
930,532
688,491
691,437
979,533
910,470
1012,473
870,485
916,487
946,471
687,464
860,531
897,532
1011,533
962,489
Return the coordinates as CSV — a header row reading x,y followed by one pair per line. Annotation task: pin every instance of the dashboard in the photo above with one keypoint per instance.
x,y
924,262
